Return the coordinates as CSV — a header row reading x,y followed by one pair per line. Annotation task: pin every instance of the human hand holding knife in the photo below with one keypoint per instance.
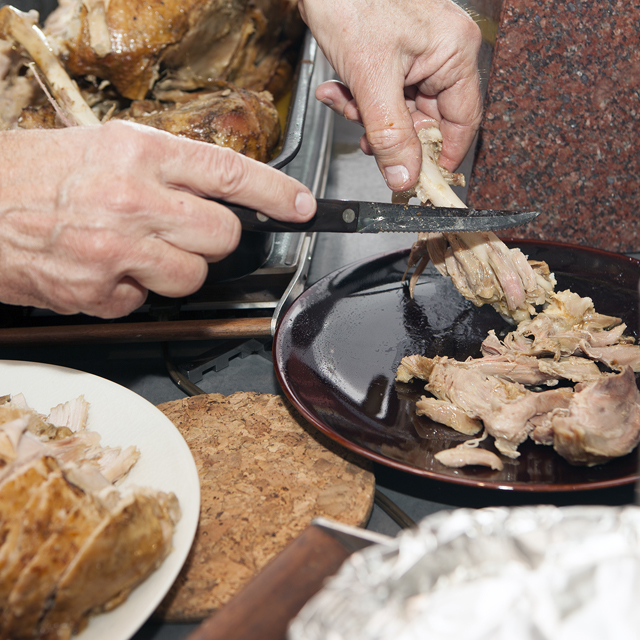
x,y
352,216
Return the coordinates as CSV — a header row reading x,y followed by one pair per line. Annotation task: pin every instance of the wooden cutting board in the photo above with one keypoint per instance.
x,y
265,473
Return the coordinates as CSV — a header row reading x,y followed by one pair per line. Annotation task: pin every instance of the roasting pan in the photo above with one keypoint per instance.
x,y
255,247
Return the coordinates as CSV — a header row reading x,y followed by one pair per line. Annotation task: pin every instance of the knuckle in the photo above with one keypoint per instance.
x,y
190,277
224,239
106,297
465,34
123,301
77,296
93,303
472,35
120,133
197,276
386,138
98,250
228,167
119,194
129,141
95,253
61,300
227,237
124,197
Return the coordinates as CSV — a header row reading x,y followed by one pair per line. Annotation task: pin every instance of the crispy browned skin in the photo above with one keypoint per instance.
x,y
43,117
47,507
199,40
140,31
252,52
71,544
36,585
121,552
16,485
68,555
230,117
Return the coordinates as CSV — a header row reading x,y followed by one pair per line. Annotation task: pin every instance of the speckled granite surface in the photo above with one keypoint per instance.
x,y
561,129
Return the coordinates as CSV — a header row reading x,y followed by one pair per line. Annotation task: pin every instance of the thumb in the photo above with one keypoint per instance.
x,y
391,135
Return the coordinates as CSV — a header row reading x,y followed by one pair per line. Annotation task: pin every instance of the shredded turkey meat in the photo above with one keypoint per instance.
x,y
518,368
560,340
71,543
597,420
469,453
568,325
480,265
601,422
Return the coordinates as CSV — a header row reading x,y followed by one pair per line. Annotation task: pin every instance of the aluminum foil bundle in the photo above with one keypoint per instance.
x,y
531,573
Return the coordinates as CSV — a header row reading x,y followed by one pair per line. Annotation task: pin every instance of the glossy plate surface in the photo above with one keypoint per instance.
x,y
122,418
338,347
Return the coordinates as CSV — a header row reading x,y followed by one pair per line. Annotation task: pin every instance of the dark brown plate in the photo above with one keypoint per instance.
x,y
338,346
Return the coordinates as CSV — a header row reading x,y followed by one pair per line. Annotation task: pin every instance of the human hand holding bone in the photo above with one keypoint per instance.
x,y
404,65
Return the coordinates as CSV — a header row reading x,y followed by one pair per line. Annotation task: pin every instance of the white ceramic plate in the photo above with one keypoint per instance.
x,y
122,418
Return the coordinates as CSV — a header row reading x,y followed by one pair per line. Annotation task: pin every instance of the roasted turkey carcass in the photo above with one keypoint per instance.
x,y
16,90
129,42
210,70
242,120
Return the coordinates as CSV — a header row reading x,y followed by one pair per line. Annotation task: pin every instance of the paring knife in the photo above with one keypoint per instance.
x,y
352,216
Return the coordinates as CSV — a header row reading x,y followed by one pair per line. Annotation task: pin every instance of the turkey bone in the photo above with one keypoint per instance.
x,y
21,28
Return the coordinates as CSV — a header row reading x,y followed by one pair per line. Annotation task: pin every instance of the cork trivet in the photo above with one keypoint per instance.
x,y
265,473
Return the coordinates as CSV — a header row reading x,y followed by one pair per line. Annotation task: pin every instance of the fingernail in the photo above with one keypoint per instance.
x,y
327,101
396,176
305,203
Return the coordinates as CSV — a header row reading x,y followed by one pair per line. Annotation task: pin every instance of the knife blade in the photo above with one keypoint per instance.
x,y
352,216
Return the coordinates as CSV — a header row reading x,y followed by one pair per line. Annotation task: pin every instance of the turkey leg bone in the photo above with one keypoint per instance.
x,y
482,268
432,188
21,28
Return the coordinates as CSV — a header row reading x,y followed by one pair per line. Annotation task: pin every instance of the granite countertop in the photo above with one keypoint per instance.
x,y
562,121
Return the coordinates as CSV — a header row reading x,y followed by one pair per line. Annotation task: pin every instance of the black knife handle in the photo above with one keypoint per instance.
x,y
332,215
